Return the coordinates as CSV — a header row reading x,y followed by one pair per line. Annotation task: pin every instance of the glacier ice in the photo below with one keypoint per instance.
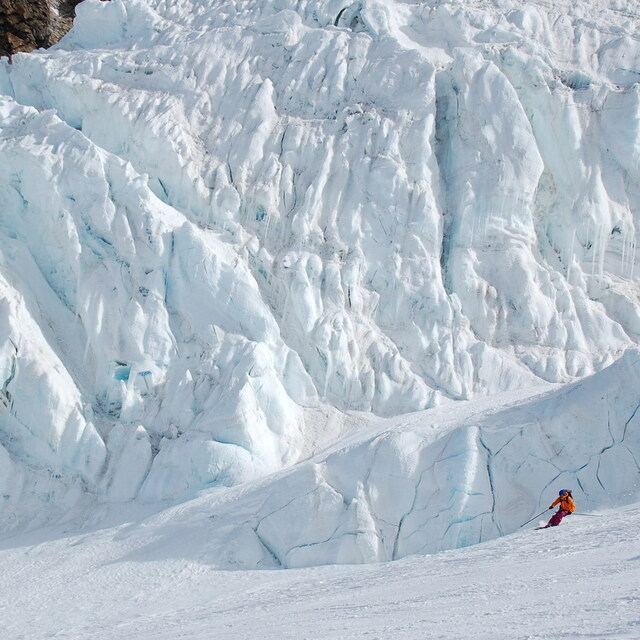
x,y
226,226
443,478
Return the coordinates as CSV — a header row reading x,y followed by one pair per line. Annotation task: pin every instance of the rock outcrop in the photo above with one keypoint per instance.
x,y
30,24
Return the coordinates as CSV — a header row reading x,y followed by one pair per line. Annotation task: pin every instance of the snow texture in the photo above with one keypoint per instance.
x,y
108,585
226,227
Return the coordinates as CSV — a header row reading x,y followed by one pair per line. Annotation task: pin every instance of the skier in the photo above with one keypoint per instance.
x,y
567,506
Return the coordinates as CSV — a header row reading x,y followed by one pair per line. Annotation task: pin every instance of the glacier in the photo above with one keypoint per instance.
x,y
425,482
233,234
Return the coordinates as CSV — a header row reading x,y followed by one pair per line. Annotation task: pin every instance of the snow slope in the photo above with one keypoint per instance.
x,y
580,580
226,225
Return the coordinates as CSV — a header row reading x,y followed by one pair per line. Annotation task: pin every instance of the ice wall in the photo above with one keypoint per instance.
x,y
216,216
130,334
440,479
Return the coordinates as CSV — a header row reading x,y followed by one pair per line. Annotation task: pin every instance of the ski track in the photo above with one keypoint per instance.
x,y
580,580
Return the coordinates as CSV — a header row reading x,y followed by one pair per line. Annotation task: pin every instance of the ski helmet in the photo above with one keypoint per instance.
x,y
562,492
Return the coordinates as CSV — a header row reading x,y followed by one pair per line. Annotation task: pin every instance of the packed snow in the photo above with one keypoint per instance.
x,y
580,580
359,278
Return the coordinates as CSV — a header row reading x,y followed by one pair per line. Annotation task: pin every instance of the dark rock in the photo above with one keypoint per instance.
x,y
30,24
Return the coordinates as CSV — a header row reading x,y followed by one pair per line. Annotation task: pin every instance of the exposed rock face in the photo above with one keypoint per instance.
x,y
29,24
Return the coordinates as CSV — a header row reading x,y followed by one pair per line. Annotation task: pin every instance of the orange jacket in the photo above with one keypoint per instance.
x,y
566,503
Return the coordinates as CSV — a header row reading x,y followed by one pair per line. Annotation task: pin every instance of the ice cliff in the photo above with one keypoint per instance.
x,y
223,224
430,481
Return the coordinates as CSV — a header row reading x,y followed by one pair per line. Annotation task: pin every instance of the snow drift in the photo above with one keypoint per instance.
x,y
222,222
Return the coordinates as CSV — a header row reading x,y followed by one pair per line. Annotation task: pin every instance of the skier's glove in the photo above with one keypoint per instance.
x,y
550,508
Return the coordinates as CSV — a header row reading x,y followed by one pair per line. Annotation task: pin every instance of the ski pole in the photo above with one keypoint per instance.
x,y
534,517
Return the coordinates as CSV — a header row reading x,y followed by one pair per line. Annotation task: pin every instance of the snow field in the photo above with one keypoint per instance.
x,y
579,580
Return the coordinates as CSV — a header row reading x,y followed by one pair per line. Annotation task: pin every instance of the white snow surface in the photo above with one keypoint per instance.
x,y
290,241
580,581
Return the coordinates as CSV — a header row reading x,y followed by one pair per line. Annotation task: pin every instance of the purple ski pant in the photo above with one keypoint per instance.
x,y
556,518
